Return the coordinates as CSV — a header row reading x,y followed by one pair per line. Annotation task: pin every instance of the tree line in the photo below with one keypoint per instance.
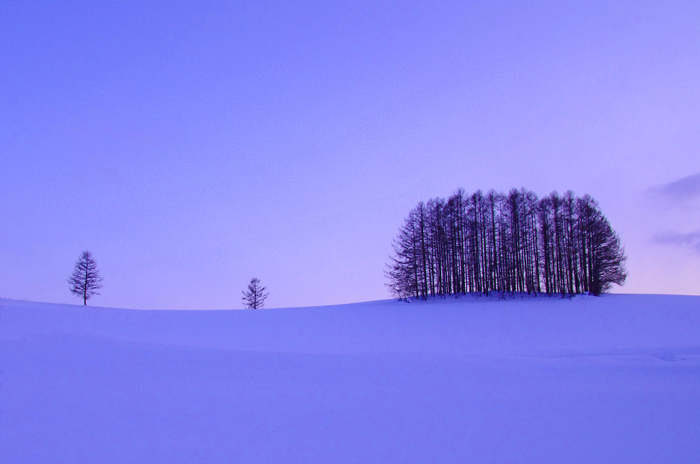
x,y
483,243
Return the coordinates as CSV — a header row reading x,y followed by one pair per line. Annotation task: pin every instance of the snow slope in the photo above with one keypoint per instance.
x,y
527,380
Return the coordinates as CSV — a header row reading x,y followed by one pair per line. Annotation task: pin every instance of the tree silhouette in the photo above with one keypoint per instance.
x,y
514,243
255,296
85,280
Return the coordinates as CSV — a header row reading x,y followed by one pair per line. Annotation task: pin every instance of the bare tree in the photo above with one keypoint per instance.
x,y
85,280
255,296
511,243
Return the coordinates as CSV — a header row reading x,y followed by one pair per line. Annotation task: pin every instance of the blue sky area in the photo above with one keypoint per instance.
x,y
193,145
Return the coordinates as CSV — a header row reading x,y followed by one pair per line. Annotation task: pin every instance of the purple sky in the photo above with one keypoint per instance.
x,y
193,145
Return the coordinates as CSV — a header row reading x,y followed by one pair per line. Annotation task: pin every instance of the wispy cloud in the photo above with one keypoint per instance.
x,y
681,189
691,240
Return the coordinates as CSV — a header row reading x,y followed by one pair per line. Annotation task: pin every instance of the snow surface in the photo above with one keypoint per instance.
x,y
527,380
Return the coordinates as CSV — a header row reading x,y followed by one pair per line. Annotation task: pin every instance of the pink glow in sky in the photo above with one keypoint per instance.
x,y
193,145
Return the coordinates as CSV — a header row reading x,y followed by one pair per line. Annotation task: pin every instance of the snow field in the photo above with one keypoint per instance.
x,y
524,380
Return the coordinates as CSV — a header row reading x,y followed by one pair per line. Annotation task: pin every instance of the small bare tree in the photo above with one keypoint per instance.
x,y
85,280
254,297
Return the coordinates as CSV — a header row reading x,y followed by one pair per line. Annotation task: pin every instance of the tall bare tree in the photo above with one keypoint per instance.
x,y
506,243
85,280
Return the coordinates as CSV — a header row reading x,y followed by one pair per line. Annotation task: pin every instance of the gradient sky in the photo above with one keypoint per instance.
x,y
193,145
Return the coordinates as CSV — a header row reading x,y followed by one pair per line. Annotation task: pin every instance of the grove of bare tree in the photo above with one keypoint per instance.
x,y
514,243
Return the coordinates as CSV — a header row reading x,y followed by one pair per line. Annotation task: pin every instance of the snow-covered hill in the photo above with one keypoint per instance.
x,y
525,380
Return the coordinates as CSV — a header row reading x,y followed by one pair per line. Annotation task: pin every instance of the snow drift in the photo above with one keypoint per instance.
x,y
455,380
